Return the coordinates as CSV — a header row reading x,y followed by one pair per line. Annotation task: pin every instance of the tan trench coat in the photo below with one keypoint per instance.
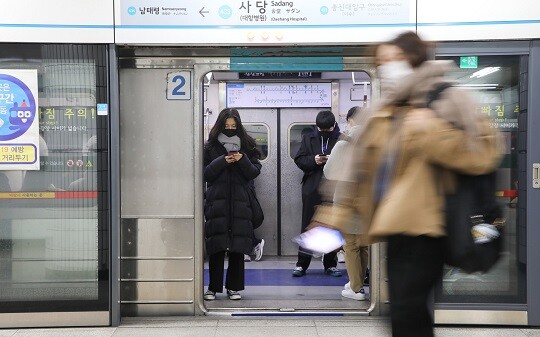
x,y
414,202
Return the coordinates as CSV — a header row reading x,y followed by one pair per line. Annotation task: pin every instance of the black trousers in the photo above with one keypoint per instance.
x,y
304,259
235,272
309,201
414,266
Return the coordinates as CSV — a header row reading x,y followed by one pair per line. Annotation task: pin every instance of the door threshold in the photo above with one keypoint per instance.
x,y
284,312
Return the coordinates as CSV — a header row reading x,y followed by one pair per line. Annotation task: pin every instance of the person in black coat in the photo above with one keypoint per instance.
x,y
311,157
231,162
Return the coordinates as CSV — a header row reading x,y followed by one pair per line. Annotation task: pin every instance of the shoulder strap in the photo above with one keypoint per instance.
x,y
434,93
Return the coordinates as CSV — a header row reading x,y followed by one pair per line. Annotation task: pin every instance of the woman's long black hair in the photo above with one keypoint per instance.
x,y
248,143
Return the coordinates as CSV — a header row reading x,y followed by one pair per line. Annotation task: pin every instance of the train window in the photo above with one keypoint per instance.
x,y
296,131
260,133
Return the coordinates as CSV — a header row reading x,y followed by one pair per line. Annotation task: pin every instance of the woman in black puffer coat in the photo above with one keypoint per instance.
x,y
231,162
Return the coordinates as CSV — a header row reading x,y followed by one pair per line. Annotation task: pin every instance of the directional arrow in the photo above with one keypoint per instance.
x,y
202,12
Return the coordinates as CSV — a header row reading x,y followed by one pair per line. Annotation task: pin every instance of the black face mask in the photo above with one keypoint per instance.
x,y
325,134
229,132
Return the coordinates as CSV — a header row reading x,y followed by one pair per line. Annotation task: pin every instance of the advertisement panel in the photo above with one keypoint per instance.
x,y
19,120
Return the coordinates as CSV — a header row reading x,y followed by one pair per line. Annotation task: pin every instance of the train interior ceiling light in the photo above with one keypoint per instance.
x,y
484,72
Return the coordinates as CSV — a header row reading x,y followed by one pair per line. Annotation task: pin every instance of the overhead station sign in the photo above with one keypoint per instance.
x,y
196,13
247,22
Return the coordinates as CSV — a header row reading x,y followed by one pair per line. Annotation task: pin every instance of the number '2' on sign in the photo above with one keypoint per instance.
x,y
179,85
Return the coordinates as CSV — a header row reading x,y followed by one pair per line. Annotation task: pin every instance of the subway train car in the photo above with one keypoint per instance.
x,y
105,107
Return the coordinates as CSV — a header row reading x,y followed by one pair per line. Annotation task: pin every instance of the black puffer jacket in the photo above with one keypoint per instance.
x,y
227,208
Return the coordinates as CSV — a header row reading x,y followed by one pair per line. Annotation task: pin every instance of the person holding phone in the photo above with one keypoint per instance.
x,y
231,162
314,150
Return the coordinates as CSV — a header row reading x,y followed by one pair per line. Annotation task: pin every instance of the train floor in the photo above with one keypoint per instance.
x,y
269,285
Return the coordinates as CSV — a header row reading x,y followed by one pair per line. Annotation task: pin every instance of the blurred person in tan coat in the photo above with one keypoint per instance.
x,y
402,167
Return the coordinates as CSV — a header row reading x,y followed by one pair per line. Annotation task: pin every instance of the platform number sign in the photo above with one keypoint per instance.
x,y
179,85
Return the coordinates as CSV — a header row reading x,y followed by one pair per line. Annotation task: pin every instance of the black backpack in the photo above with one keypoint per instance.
x,y
474,222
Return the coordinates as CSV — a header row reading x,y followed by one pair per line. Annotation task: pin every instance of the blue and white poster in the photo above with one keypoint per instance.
x,y
19,120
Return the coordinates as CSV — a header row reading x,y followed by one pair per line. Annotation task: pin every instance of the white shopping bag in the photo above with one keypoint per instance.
x,y
320,240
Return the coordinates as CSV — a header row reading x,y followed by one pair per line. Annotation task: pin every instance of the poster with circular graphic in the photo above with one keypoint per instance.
x,y
19,120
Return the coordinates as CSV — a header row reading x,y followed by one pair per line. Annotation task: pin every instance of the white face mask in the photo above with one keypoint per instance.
x,y
392,72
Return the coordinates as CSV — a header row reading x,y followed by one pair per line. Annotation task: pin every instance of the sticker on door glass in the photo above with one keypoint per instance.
x,y
19,129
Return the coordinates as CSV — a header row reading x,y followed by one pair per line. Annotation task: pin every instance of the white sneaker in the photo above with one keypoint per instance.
x,y
258,250
247,258
209,295
359,296
233,295
347,286
341,256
